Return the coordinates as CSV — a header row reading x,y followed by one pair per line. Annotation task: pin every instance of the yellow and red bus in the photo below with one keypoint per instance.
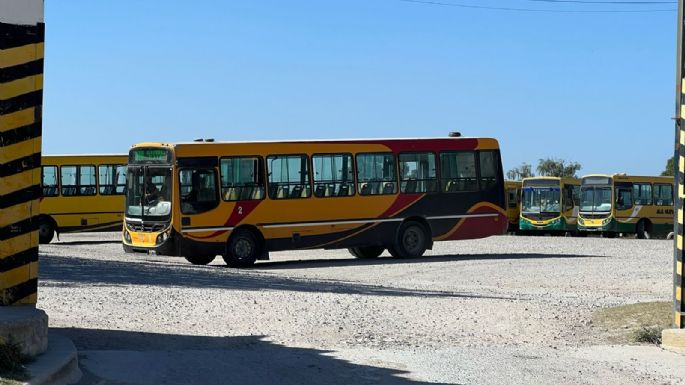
x,y
619,203
513,201
81,193
549,205
243,200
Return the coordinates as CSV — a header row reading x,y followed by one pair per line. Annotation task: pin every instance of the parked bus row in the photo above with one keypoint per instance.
x,y
604,204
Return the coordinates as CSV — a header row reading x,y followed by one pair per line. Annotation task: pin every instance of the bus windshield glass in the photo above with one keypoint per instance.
x,y
148,194
541,200
595,199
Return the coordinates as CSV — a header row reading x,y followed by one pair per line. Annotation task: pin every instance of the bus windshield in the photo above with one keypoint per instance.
x,y
595,199
148,193
541,200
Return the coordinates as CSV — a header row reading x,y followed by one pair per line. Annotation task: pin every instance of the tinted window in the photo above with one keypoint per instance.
x,y
49,181
288,177
489,169
198,190
376,174
624,198
417,173
663,194
642,193
242,178
458,171
333,175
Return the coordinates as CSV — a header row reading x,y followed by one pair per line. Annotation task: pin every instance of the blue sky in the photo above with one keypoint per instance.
x,y
593,88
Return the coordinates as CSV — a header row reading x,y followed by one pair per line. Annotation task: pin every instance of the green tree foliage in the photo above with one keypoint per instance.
x,y
558,168
523,171
670,167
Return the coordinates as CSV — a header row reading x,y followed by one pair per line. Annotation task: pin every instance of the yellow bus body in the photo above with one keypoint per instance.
x,y
316,222
641,205
513,200
563,218
81,201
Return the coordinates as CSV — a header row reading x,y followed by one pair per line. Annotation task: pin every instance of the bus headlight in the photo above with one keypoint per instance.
x,y
161,238
581,221
127,236
606,221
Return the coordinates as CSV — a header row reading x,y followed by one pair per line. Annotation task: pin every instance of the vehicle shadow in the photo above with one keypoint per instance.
x,y
323,263
120,357
75,243
60,271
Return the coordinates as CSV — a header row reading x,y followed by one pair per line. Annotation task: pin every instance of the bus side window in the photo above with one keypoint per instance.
x,y
458,171
376,174
198,190
333,175
624,198
242,178
69,180
288,176
489,167
112,179
663,194
642,193
49,181
418,173
568,197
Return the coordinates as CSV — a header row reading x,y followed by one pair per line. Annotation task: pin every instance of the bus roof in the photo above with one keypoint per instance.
x,y
625,177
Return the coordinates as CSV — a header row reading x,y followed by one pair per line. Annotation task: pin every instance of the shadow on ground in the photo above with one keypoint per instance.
x,y
109,357
66,271
323,263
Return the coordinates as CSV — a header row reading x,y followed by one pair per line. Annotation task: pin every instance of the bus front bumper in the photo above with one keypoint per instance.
x,y
160,243
555,224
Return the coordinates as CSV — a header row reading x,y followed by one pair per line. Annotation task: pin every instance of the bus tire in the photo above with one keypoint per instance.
x,y
411,241
243,249
643,229
200,259
366,252
46,230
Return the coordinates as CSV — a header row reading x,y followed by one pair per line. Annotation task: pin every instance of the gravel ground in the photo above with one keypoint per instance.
x,y
513,310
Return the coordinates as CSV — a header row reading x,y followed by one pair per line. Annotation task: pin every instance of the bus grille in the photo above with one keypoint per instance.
x,y
145,227
595,216
541,216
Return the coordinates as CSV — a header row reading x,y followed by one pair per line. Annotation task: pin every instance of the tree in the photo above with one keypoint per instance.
x,y
523,171
670,167
558,168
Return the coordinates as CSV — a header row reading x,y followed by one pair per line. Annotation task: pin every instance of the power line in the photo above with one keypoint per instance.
x,y
514,9
606,2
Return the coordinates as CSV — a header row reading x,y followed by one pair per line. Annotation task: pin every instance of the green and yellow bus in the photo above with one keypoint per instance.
x,y
243,200
549,205
615,204
81,193
513,200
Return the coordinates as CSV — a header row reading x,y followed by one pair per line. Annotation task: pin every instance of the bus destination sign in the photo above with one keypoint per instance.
x,y
149,155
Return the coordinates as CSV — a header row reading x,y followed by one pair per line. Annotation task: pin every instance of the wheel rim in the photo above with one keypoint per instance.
x,y
412,240
242,249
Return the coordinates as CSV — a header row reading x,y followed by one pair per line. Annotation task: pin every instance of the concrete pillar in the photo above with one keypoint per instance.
x,y
21,100
675,338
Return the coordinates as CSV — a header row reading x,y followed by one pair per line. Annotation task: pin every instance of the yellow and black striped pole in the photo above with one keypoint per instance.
x,y
21,100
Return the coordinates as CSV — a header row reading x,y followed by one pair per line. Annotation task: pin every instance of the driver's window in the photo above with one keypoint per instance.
x,y
624,198
198,190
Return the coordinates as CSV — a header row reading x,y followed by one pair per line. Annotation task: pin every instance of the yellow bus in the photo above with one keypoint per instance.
x,y
615,204
513,201
243,200
81,193
549,205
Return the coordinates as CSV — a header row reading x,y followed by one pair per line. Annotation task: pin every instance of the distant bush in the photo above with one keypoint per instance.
x,y
648,335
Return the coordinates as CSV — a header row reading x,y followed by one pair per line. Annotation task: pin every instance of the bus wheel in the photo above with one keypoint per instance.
x,y
367,252
411,242
200,259
643,230
243,249
46,230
